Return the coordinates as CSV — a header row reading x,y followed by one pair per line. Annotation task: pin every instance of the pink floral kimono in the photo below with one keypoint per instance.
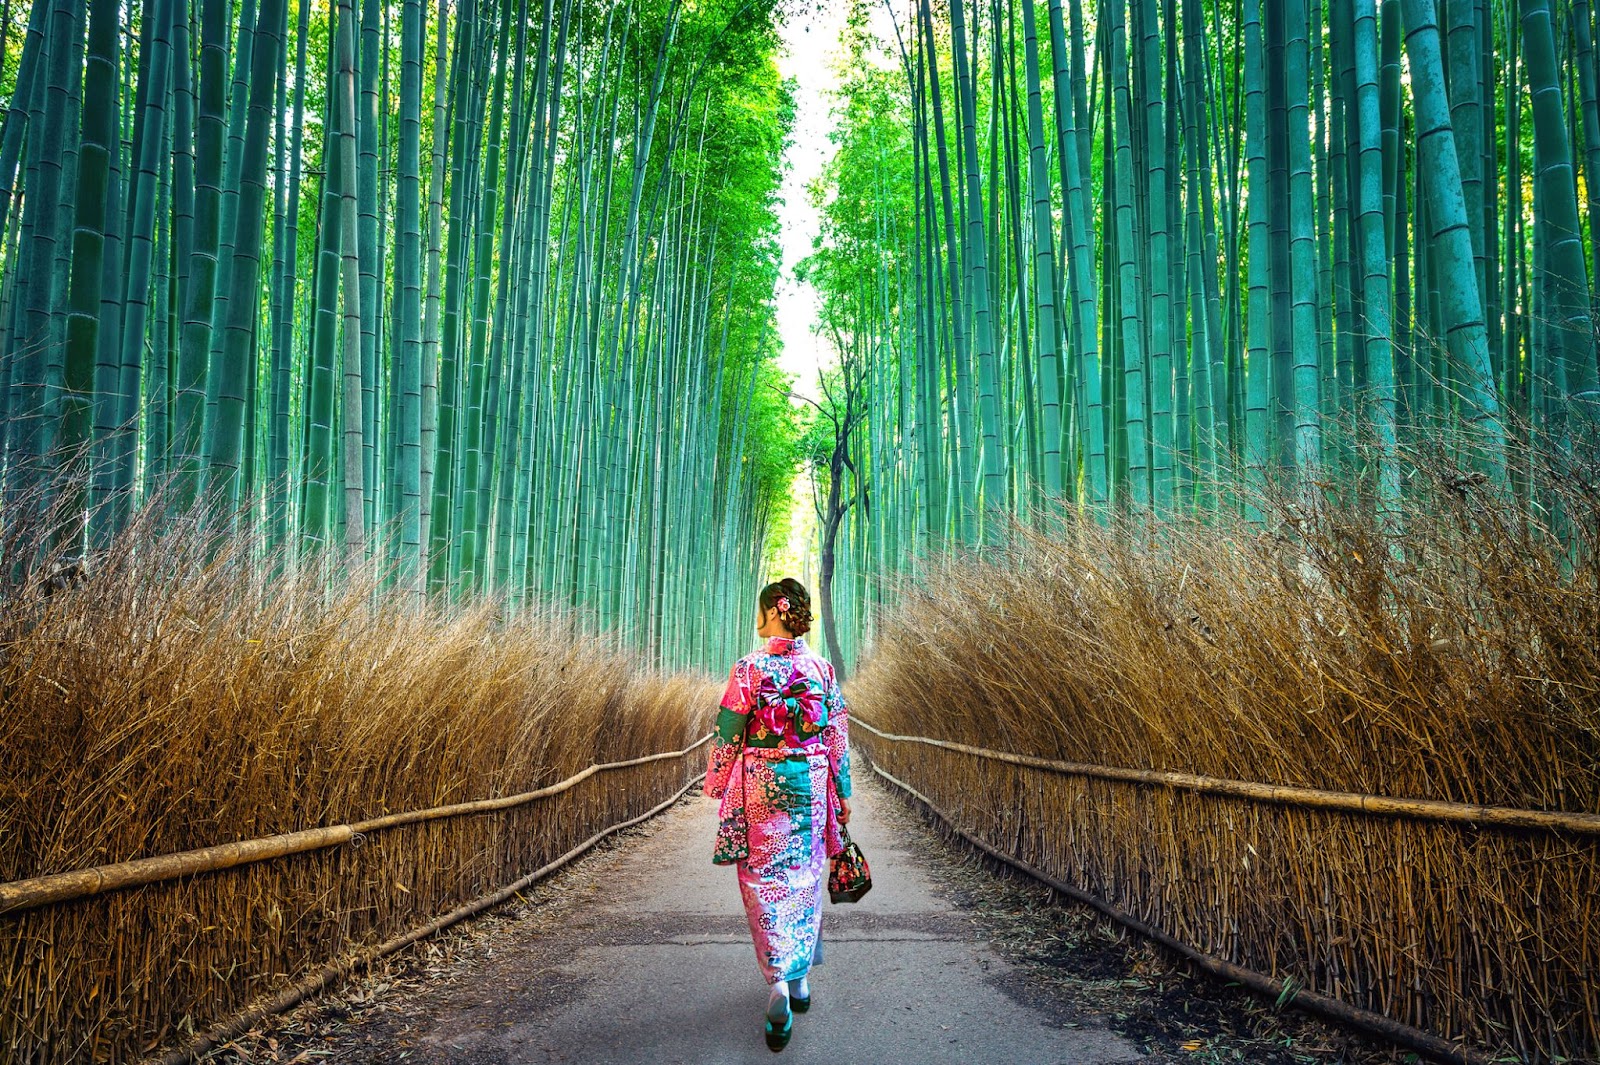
x,y
780,762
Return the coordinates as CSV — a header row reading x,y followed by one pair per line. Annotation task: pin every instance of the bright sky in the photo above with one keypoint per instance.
x,y
810,40
810,47
810,50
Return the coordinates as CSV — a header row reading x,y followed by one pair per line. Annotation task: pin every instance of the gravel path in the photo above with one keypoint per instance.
x,y
641,953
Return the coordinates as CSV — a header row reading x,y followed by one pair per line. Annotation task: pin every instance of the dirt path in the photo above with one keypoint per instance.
x,y
642,954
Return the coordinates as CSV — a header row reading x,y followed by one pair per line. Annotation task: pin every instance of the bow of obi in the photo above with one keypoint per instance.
x,y
799,701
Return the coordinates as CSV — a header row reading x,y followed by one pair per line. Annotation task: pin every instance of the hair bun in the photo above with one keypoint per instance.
x,y
798,615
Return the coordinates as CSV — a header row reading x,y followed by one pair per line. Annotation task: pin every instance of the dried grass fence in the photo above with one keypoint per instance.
x,y
102,972
1374,781
1288,898
178,701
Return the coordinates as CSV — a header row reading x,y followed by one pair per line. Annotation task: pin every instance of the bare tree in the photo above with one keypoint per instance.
x,y
843,409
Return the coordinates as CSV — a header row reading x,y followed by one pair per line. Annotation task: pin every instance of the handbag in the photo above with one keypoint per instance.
x,y
848,876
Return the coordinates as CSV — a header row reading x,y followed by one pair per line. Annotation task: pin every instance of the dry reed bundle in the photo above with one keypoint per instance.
x,y
1459,663
178,698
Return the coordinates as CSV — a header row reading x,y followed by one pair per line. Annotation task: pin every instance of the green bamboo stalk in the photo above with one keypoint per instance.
x,y
317,453
200,247
1380,408
1044,266
1163,446
1258,365
370,251
1136,430
239,349
408,304
1068,90
1302,234
1570,373
965,466
1460,307
88,243
975,254
355,505
431,321
140,289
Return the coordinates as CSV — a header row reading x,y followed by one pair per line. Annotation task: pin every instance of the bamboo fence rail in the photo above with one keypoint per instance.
x,y
1278,990
315,983
115,962
1468,933
1352,802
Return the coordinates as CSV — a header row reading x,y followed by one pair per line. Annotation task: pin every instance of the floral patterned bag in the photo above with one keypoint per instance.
x,y
848,876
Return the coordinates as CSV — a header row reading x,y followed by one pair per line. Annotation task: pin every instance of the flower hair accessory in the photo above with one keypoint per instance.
x,y
782,604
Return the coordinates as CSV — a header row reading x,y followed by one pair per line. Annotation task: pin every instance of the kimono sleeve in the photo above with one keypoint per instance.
x,y
837,737
728,741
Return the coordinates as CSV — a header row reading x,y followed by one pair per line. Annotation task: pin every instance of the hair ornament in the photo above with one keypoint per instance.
x,y
782,604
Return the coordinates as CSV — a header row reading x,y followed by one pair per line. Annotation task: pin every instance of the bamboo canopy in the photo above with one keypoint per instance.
x,y
480,293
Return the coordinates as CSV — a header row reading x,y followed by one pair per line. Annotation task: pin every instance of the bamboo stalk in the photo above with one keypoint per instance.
x,y
292,996
1366,1021
20,895
1314,798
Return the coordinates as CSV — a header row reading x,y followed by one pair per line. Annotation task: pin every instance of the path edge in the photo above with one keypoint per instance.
x,y
1282,992
334,972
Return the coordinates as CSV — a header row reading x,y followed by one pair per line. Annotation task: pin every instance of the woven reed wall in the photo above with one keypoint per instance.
x,y
1486,936
112,977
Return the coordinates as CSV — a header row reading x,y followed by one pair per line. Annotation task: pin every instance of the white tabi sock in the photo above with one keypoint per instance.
x,y
778,1003
798,988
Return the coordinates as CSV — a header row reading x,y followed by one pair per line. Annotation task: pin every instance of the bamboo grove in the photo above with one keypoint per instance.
x,y
1159,257
481,290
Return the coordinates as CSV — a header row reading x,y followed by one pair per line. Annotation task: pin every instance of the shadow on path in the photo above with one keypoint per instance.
x,y
648,959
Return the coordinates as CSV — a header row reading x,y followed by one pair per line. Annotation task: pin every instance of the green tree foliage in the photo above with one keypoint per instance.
x,y
1218,250
874,333
481,291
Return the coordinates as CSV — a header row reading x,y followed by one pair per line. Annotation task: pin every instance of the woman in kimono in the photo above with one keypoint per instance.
x,y
780,764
